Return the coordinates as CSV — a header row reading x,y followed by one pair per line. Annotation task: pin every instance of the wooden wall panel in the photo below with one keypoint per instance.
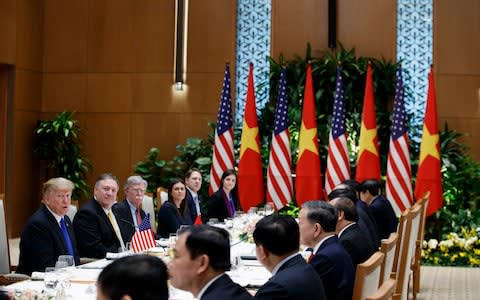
x,y
471,128
110,36
64,91
295,23
153,92
452,90
8,26
109,92
29,34
28,90
65,36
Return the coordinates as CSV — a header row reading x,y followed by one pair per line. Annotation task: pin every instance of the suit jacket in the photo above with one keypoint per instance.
x,y
367,224
192,207
42,242
384,215
216,206
335,267
95,233
169,220
225,288
125,220
353,240
295,280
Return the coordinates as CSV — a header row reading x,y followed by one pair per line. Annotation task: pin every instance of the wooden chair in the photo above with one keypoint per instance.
x,y
4,250
148,207
407,250
400,237
162,196
367,276
388,249
417,259
385,291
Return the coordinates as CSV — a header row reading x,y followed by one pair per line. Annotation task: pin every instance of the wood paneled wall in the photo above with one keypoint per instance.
x,y
112,62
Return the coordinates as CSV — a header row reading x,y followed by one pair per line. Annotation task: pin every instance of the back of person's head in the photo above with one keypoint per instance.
x,y
347,206
278,234
370,185
211,241
57,183
353,184
323,213
343,192
138,276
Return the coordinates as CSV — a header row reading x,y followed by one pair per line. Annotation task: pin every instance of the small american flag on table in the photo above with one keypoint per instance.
x,y
144,238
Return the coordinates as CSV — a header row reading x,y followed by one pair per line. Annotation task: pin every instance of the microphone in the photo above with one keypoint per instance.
x,y
128,222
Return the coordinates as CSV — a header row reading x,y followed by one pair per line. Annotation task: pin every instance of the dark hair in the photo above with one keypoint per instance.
x,y
211,241
106,176
353,184
139,276
183,204
343,192
348,207
323,213
278,234
190,172
227,172
370,185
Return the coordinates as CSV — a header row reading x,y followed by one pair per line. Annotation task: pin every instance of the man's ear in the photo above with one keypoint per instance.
x,y
262,253
341,215
203,262
318,229
126,297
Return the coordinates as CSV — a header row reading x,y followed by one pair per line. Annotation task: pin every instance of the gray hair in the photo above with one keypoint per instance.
x,y
135,179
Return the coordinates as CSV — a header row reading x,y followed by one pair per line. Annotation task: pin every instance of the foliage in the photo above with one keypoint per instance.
x,y
152,169
31,295
455,250
58,144
291,209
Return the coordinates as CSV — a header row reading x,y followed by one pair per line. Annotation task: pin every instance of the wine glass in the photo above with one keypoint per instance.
x,y
68,259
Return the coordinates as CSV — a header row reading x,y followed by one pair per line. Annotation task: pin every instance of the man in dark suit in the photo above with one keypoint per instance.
x,y
193,181
202,256
380,208
317,222
129,212
95,224
48,233
277,244
349,234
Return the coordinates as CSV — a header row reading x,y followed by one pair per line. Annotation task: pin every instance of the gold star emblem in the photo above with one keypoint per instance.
x,y
249,139
305,141
429,145
367,138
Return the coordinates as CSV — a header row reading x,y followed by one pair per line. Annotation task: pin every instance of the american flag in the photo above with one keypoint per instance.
x,y
144,238
399,178
279,175
338,162
222,158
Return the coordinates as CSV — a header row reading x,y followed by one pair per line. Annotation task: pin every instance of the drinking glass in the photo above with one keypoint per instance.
x,y
68,259
50,279
268,208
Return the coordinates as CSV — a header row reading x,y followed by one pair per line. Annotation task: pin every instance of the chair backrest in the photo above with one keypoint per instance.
x,y
388,249
385,291
367,276
4,253
401,237
148,207
406,252
162,196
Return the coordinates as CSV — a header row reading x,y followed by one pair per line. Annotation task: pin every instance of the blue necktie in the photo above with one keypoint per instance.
x,y
66,237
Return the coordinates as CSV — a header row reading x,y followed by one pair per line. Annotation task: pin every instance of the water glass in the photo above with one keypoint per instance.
x,y
268,208
68,259
60,265
50,279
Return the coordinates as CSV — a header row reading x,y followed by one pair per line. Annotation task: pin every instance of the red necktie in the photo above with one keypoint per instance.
x,y
310,257
139,217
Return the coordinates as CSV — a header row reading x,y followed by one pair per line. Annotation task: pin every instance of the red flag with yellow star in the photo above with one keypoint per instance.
x,y
429,177
368,161
250,176
308,182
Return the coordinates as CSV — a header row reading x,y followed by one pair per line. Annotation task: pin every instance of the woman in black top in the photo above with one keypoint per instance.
x,y
174,212
223,203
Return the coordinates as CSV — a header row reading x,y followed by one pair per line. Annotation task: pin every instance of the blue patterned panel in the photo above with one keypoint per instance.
x,y
253,45
414,50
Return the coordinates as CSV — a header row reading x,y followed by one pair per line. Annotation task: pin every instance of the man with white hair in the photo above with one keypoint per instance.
x,y
48,233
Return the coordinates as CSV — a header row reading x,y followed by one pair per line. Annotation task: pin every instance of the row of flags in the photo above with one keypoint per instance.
x,y
308,181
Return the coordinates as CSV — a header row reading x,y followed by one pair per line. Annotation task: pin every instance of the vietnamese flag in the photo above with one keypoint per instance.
x,y
429,177
368,160
308,182
250,175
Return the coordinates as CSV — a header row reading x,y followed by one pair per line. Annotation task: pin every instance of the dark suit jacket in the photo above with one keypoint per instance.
x,y
367,224
335,267
384,215
95,234
169,220
216,206
295,280
225,288
191,206
125,220
42,242
353,240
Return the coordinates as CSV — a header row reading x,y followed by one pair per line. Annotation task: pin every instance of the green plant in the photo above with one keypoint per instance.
x,y
153,170
58,144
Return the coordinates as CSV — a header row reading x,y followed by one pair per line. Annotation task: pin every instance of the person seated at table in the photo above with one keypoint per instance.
x,y
95,224
223,203
277,244
380,208
349,233
317,222
137,277
193,181
201,258
174,212
129,212
49,233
